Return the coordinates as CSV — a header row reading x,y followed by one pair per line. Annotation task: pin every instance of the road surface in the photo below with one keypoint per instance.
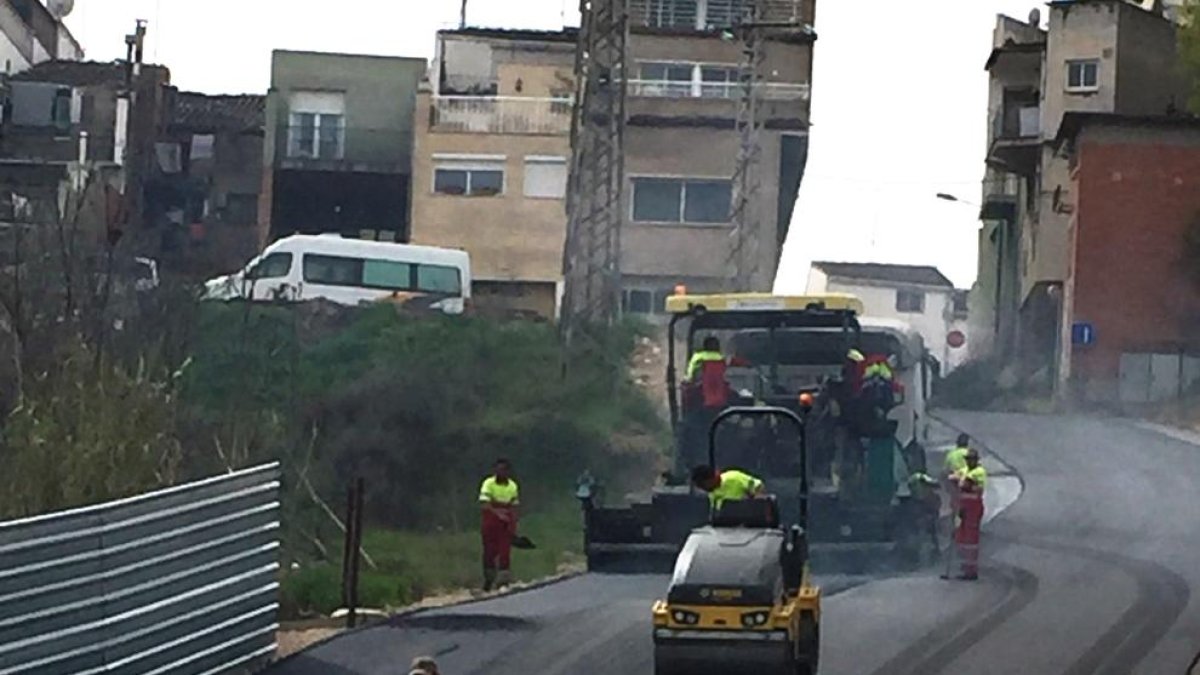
x,y
1090,571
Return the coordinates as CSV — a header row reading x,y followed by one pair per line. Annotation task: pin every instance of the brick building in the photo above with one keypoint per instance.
x,y
1132,296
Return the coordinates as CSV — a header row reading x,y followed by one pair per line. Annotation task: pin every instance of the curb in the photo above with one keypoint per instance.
x,y
405,613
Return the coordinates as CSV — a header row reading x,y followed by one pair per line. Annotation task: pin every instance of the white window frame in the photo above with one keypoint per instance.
x,y
469,163
682,222
545,160
1082,64
294,151
670,87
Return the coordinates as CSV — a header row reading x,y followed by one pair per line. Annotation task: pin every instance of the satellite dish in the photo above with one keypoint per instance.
x,y
1035,17
60,8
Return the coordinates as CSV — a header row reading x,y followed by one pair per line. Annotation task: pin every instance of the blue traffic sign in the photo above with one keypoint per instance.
x,y
1083,334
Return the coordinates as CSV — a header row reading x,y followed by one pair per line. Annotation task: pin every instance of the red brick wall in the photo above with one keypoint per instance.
x,y
1134,200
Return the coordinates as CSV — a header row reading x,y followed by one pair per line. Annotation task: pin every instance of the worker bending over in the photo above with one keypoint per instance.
x,y
971,483
727,485
499,498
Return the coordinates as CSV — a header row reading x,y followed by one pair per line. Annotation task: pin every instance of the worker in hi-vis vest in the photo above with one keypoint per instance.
x,y
499,498
710,350
727,485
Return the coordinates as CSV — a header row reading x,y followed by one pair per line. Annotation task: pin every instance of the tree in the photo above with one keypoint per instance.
x,y
1189,49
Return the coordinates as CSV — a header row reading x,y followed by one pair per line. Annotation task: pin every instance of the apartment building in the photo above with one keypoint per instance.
x,y
492,150
1132,294
337,152
32,33
918,295
1091,56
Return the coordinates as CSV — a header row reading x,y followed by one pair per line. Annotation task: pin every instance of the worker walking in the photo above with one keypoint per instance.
x,y
971,483
499,498
727,485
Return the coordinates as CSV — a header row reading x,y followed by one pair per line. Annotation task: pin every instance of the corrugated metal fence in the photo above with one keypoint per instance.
x,y
182,580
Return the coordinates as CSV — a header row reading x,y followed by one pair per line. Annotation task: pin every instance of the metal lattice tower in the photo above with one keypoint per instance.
x,y
591,258
745,212
758,21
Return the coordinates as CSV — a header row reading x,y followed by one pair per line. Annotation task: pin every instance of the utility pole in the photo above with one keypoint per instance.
x,y
462,16
595,200
759,21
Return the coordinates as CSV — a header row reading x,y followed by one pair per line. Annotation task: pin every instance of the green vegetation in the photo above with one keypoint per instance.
x,y
1189,49
107,392
420,409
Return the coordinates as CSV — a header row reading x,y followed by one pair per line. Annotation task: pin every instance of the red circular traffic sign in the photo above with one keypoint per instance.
x,y
956,339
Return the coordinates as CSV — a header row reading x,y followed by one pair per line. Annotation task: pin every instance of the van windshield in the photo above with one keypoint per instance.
x,y
391,275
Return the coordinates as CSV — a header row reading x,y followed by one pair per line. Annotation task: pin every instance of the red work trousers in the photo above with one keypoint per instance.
x,y
497,541
966,536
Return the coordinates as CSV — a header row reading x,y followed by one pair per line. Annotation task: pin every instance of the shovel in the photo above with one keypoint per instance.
x,y
522,542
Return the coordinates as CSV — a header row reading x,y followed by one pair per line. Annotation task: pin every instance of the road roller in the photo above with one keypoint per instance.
x,y
741,599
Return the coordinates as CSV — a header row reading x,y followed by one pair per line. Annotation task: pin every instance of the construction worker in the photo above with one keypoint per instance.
x,y
971,483
710,351
727,485
499,497
956,459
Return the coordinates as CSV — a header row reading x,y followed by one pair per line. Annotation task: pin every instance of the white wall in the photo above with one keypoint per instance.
x,y
880,301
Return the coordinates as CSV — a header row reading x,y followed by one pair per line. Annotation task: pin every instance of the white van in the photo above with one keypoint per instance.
x,y
350,272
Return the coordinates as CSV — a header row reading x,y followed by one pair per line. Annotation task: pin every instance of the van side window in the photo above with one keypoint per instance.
x,y
333,270
272,267
439,279
394,276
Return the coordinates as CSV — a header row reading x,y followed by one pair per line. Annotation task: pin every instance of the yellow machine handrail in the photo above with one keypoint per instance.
x,y
762,302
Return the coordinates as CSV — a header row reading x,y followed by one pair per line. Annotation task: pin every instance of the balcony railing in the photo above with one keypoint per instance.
x,y
501,115
710,15
767,91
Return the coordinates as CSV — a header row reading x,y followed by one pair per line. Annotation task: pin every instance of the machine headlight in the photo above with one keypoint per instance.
x,y
755,619
685,617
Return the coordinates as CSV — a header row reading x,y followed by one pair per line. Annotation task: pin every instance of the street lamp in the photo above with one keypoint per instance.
x,y
947,197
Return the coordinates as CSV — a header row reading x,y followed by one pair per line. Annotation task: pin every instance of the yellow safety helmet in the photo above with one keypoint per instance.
x,y
855,356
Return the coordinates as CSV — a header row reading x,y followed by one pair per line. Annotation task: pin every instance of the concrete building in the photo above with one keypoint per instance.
x,y
492,152
337,154
206,186
31,34
918,295
73,126
1094,56
1132,297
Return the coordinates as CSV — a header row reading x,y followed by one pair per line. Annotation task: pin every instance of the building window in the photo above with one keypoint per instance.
x,y
722,13
202,146
241,209
316,136
1083,75
316,124
546,177
686,80
910,302
640,301
671,80
666,13
681,200
469,176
